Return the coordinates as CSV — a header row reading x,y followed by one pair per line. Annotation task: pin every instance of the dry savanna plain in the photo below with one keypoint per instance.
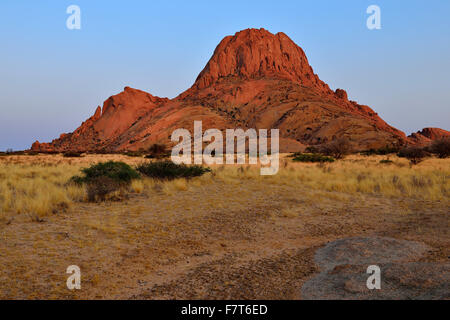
x,y
229,234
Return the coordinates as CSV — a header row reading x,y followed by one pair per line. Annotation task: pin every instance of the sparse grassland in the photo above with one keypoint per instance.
x,y
227,217
39,186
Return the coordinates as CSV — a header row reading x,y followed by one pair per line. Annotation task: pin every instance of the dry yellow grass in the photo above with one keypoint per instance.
x,y
36,190
165,228
37,186
429,180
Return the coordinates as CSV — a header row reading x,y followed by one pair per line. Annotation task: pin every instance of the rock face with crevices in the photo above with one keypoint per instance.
x,y
255,54
255,79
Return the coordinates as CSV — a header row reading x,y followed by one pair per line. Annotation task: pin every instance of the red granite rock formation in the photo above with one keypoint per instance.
x,y
428,135
256,54
254,79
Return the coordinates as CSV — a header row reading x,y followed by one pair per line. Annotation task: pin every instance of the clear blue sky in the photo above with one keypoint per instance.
x,y
52,78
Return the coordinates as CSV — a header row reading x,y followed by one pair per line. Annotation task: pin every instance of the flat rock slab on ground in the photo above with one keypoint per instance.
x,y
404,281
368,251
344,271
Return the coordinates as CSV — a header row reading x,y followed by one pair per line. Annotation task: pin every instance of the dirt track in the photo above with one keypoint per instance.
x,y
249,243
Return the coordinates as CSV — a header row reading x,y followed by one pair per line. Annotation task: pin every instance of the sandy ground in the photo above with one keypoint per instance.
x,y
214,241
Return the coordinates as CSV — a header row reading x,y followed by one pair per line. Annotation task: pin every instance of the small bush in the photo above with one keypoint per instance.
x,y
118,171
310,149
380,152
312,157
98,188
441,148
157,151
105,177
167,170
386,161
77,180
415,155
337,149
71,154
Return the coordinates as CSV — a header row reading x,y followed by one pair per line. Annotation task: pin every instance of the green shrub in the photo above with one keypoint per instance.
x,y
78,180
118,171
380,152
312,157
310,149
386,161
104,178
167,170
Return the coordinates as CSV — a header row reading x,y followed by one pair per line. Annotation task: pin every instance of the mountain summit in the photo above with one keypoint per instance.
x,y
255,79
256,54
